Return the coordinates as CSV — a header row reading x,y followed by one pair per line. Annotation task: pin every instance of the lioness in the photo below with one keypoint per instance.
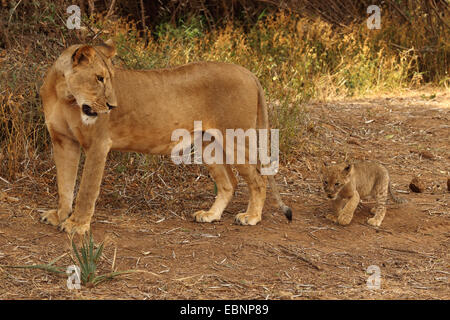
x,y
90,103
347,183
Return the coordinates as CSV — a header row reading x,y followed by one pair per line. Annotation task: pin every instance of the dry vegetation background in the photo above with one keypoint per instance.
x,y
299,49
307,54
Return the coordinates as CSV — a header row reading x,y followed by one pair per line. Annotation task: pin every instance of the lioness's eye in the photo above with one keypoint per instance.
x,y
336,184
325,183
100,78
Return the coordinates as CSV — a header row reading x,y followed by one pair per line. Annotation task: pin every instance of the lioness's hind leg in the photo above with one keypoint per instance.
x,y
257,187
226,183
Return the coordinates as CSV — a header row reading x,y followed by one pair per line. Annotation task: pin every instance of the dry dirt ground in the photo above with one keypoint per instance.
x,y
146,222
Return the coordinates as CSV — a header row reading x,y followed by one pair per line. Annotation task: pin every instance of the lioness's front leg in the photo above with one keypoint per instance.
x,y
66,153
79,221
345,216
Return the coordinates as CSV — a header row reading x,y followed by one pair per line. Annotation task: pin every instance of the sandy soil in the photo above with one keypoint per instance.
x,y
144,219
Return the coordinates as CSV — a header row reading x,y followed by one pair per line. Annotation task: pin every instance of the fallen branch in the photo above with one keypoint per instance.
x,y
298,256
406,250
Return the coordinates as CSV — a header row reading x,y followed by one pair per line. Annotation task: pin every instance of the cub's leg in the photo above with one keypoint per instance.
x,y
66,153
380,193
345,216
226,183
257,187
336,205
79,221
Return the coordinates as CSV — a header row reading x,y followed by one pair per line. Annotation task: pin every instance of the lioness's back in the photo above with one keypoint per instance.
x,y
212,92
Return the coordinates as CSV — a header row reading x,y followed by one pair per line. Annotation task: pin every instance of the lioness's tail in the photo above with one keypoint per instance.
x,y
262,122
394,197
286,210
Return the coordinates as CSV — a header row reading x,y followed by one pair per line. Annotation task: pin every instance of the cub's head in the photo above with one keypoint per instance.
x,y
335,177
89,79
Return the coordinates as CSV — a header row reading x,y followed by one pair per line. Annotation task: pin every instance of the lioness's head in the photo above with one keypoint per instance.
x,y
90,79
335,178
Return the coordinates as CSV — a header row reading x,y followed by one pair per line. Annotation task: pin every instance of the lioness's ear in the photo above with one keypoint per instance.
x,y
83,54
108,48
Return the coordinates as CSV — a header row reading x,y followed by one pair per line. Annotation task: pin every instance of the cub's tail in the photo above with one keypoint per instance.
x,y
394,197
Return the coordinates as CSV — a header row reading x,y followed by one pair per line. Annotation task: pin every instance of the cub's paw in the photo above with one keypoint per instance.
x,y
247,219
331,217
344,219
378,210
205,216
374,222
50,217
74,228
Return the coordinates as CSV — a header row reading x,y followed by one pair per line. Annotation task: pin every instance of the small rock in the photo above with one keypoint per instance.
x,y
427,155
283,295
353,141
416,185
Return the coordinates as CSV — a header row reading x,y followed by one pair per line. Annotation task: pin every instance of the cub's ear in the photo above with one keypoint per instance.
x,y
84,54
348,168
108,48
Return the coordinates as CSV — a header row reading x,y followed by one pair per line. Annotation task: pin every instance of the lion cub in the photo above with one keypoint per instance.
x,y
346,184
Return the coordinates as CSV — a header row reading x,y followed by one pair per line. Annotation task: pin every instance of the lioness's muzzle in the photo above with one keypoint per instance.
x,y
87,110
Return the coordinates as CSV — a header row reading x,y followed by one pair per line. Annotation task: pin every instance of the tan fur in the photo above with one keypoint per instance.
x,y
347,183
151,104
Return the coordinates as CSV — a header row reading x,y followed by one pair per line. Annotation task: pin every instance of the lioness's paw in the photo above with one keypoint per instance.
x,y
374,222
205,216
50,217
247,219
74,228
